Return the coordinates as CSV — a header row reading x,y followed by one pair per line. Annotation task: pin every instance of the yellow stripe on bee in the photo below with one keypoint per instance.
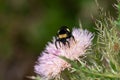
x,y
62,36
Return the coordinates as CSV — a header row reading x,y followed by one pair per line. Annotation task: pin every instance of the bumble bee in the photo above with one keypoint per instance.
x,y
63,35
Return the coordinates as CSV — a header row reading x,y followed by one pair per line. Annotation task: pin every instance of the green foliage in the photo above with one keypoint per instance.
x,y
118,18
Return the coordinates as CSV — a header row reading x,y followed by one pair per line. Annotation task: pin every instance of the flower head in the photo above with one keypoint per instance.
x,y
49,65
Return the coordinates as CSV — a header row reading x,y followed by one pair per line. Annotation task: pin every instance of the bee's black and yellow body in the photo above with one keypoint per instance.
x,y
63,34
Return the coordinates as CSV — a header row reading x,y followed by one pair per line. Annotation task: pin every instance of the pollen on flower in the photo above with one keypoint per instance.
x,y
50,65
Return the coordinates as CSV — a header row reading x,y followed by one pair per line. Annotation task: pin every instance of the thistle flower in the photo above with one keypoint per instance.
x,y
50,65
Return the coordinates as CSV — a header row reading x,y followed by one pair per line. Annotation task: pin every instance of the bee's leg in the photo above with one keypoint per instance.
x,y
56,44
68,43
59,43
73,37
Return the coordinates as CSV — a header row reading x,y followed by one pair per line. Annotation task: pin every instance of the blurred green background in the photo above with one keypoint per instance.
x,y
27,25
